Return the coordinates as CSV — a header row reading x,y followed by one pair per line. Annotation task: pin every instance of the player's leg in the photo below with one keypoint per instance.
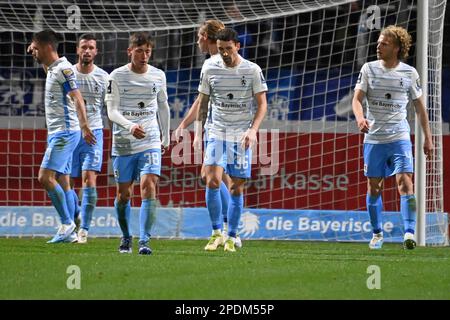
x,y
91,165
124,174
214,163
57,159
239,168
402,163
88,203
375,170
150,170
76,173
225,187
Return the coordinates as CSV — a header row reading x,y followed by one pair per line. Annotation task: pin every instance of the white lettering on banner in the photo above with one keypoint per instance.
x,y
12,220
106,221
306,224
40,220
277,223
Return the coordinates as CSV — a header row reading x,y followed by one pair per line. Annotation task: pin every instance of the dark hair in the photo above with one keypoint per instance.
x,y
86,36
228,34
140,38
47,37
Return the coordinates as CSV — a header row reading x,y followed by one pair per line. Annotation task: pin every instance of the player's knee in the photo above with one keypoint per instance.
x,y
44,179
213,183
237,188
405,188
123,197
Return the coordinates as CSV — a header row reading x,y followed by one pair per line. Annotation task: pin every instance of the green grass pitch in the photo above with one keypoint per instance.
x,y
181,269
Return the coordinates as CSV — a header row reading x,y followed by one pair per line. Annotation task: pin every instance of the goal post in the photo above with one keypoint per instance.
x,y
310,53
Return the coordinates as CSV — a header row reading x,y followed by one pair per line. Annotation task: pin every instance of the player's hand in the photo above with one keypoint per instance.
x,y
178,134
363,125
428,148
197,144
137,131
249,138
89,136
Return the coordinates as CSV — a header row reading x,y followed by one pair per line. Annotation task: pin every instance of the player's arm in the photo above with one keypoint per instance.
x,y
78,100
164,122
203,102
113,104
249,139
362,122
188,119
425,124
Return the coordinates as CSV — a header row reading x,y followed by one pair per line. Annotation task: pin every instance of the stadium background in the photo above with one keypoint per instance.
x,y
25,147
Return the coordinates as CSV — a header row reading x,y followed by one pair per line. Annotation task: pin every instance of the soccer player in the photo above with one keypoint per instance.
x,y
386,86
65,115
231,84
207,44
137,105
87,159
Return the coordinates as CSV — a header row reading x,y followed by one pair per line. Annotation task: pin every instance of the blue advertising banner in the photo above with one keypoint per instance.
x,y
194,223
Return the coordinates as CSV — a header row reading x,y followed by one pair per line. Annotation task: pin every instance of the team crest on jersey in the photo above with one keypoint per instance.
x,y
141,105
243,81
401,82
154,88
72,84
96,88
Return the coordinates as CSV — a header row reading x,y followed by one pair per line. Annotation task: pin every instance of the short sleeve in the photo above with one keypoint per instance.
x,y
259,82
112,89
203,86
415,91
162,94
66,77
363,79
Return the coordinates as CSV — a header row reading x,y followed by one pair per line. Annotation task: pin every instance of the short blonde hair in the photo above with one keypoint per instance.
x,y
401,38
211,28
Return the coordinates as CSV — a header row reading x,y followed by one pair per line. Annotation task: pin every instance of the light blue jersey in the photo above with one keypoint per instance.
x,y
138,96
93,89
60,112
231,92
388,92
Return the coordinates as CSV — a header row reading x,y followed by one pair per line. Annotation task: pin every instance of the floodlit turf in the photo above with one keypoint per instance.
x,y
181,269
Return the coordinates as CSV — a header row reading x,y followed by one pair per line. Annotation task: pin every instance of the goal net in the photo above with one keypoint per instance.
x,y
310,53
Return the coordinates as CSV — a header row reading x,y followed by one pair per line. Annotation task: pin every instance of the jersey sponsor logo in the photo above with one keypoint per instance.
x,y
390,106
137,113
234,105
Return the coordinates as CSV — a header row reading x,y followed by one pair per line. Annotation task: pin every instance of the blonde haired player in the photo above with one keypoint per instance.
x,y
386,86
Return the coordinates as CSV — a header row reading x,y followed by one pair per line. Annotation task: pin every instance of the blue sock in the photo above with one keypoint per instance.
x,y
408,210
88,206
225,197
234,212
146,219
214,205
76,202
58,198
70,204
123,213
374,207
